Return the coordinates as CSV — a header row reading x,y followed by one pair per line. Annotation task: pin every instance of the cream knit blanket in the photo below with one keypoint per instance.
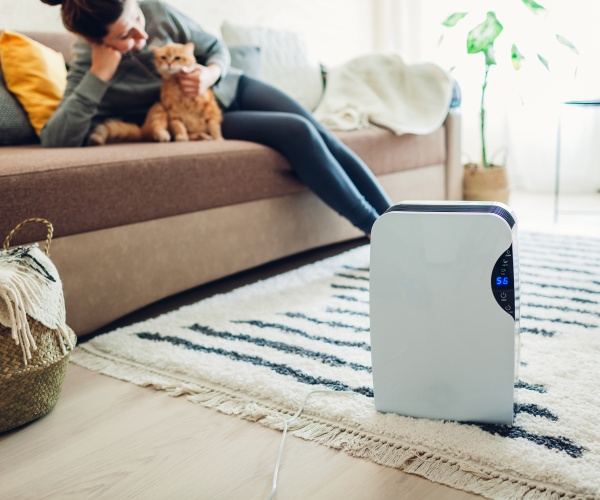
x,y
30,286
383,90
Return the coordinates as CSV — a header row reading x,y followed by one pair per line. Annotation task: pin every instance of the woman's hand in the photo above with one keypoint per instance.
x,y
105,61
198,79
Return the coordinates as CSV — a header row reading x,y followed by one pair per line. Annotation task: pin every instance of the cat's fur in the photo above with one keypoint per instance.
x,y
175,116
185,118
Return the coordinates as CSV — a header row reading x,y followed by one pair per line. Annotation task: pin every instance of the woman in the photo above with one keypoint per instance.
x,y
113,76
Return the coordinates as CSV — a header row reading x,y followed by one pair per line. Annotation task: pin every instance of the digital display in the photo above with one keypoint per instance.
x,y
502,281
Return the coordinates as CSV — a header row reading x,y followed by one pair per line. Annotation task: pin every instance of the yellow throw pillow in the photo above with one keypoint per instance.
x,y
35,74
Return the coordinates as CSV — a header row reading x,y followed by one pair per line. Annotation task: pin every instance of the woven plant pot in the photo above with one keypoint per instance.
x,y
31,376
485,184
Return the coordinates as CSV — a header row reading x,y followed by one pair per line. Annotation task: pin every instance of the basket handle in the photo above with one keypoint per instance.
x,y
27,221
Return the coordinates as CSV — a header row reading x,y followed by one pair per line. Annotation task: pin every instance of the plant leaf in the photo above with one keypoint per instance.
x,y
453,19
534,7
567,43
516,57
544,61
490,56
483,35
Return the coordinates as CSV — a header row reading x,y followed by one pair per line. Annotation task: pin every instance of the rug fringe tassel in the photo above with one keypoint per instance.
x,y
435,468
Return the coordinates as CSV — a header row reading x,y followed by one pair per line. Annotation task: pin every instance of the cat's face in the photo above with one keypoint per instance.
x,y
173,58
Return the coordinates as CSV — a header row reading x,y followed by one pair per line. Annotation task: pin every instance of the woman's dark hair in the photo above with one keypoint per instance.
x,y
89,18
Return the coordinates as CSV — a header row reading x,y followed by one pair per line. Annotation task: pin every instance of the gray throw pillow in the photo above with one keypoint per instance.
x,y
247,58
14,122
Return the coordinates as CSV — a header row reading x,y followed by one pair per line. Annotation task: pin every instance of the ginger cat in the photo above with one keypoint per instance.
x,y
114,131
183,118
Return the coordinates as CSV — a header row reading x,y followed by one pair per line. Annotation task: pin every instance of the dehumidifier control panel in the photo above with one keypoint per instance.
x,y
503,282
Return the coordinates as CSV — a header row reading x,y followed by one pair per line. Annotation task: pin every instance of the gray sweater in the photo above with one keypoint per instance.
x,y
135,87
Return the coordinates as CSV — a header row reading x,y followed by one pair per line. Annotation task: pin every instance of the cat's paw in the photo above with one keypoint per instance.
x,y
161,136
96,140
98,136
181,137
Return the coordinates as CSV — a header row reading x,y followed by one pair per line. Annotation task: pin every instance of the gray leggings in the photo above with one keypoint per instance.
x,y
261,113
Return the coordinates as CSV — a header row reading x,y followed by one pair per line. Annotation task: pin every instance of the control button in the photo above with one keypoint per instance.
x,y
503,295
508,308
508,253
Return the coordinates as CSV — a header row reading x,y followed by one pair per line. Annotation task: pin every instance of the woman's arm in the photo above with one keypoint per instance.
x,y
86,84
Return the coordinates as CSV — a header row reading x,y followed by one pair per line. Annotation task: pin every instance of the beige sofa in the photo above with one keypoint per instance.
x,y
135,223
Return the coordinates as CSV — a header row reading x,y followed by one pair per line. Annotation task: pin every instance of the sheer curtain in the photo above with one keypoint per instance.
x,y
522,107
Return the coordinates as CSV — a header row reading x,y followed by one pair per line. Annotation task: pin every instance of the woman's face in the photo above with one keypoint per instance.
x,y
127,33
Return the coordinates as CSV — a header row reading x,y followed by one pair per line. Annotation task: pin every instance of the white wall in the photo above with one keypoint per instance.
x,y
335,30
522,107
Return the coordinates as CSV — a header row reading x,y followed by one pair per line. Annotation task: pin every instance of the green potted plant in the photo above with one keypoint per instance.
x,y
486,181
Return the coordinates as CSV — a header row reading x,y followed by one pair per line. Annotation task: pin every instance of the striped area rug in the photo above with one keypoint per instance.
x,y
257,351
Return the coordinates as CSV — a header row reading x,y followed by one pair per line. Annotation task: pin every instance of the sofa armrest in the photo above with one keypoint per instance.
x,y
454,167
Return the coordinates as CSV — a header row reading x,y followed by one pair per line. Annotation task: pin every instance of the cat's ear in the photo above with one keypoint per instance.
x,y
153,48
190,47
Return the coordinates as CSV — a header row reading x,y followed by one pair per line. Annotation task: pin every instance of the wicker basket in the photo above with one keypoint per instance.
x,y
30,387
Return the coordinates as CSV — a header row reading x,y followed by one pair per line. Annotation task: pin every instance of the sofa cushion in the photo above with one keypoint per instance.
x,y
247,58
14,122
286,63
87,189
34,73
386,153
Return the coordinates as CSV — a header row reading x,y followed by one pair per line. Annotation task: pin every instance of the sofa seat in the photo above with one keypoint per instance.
x,y
88,189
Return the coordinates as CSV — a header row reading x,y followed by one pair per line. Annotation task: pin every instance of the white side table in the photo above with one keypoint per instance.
x,y
585,103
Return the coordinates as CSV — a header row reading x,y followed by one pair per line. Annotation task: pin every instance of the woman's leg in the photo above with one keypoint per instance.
x,y
259,96
298,140
323,162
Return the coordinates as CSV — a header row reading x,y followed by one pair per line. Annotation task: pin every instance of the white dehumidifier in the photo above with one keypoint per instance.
x,y
444,310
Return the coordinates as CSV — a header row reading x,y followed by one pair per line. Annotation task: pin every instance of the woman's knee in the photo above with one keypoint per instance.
x,y
299,127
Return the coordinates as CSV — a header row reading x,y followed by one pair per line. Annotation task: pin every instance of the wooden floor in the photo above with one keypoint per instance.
x,y
112,439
